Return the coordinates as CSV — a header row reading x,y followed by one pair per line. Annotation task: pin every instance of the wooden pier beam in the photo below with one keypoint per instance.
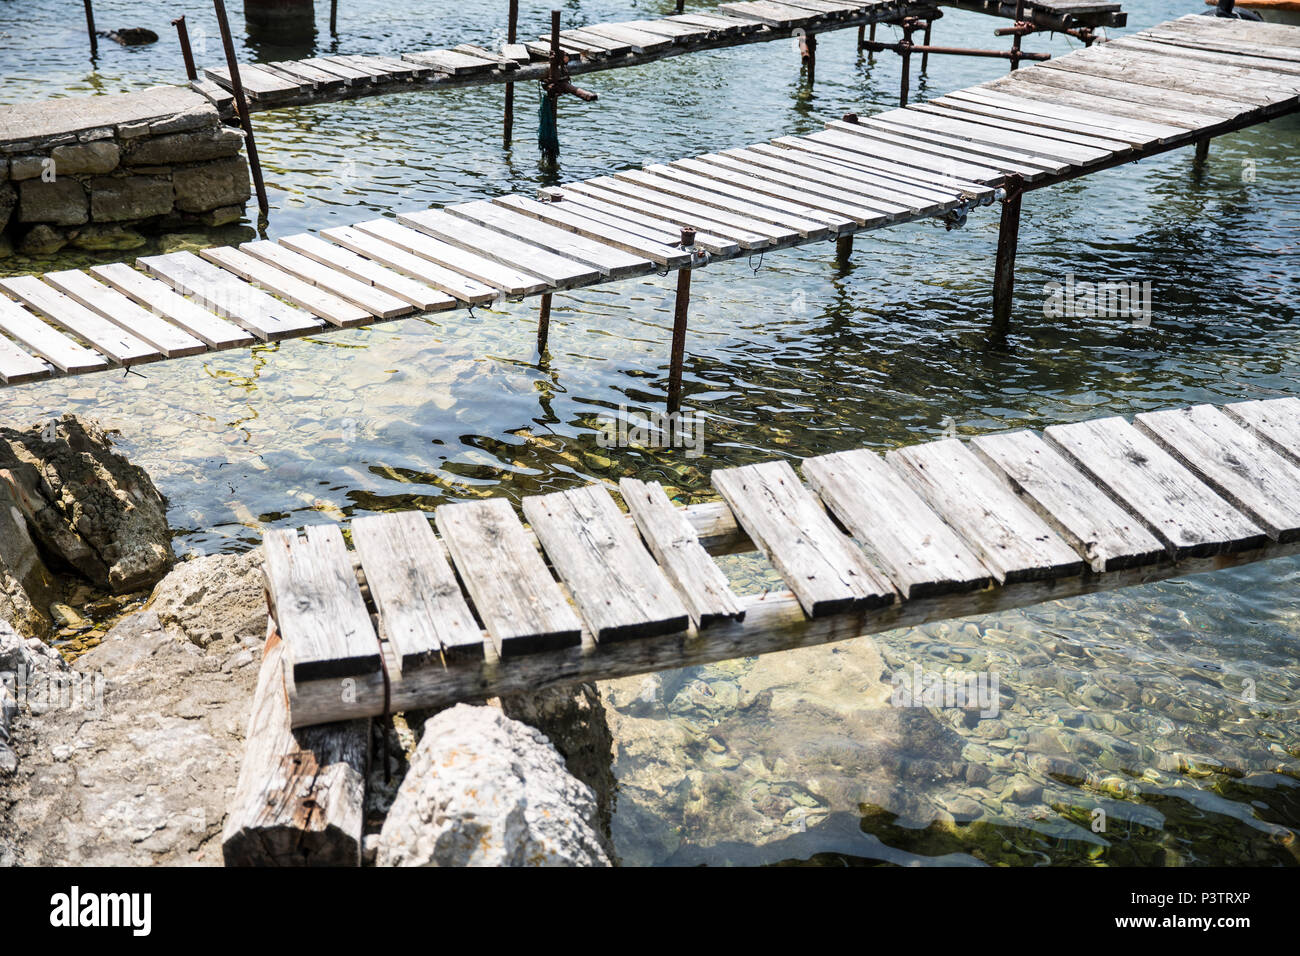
x,y
681,310
1004,277
299,800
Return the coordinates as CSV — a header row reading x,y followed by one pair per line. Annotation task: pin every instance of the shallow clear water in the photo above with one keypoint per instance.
x,y
787,356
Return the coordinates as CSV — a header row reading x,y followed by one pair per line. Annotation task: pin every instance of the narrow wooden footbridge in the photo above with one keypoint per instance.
x,y
865,542
606,46
1174,85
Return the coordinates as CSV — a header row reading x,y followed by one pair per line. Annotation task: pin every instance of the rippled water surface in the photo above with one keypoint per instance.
x,y
1172,707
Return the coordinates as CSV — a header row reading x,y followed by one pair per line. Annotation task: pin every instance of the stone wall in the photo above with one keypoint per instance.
x,y
100,172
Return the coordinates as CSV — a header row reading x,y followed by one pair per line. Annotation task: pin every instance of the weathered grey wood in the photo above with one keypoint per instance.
x,y
451,62
229,297
774,621
901,534
353,76
566,216
1155,82
772,14
319,79
422,612
1138,131
113,306
481,268
613,262
1161,107
559,271
454,283
1004,142
423,297
663,208
376,302
1246,472
1183,512
163,301
898,150
317,604
886,185
517,52
846,185
1099,140
518,601
300,796
121,346
619,590
723,25
709,216
1277,68
983,110
1012,541
676,546
638,221
1077,509
638,40
906,131
17,366
824,568
317,301
843,162
1275,420
809,225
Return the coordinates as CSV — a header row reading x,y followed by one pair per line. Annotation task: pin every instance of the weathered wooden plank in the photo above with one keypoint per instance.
x,y
619,590
229,297
721,24
997,112
112,305
845,184
567,216
660,208
1184,513
1077,509
998,142
676,546
481,268
1155,83
711,217
1275,420
771,14
901,534
518,601
638,40
835,159
1012,541
319,79
1005,122
884,185
788,201
595,207
450,62
809,226
423,297
613,262
300,796
119,345
163,301
934,160
1275,68
824,568
559,271
454,283
913,135
375,302
422,612
1136,131
517,52
1157,105
257,83
315,300
353,76
1246,472
763,181
317,604
18,366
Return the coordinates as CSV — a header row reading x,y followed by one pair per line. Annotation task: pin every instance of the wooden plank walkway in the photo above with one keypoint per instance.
x,y
609,46
1087,111
938,530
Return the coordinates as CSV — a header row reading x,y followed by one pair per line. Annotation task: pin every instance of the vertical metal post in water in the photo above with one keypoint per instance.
x,y
809,44
512,27
1015,39
681,308
925,57
1202,150
1004,276
681,6
241,105
844,249
90,29
544,322
905,50
183,33
334,18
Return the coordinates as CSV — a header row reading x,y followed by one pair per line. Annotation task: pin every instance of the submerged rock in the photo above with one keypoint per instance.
x,y
86,505
485,790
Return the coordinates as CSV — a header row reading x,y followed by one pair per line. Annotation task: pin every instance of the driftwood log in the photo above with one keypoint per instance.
x,y
300,796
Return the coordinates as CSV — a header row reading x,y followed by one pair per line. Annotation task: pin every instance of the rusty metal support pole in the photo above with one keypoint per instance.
x,y
334,18
1015,39
925,57
809,44
844,249
554,72
1202,150
512,28
905,50
544,322
90,29
183,33
1004,276
241,105
681,309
